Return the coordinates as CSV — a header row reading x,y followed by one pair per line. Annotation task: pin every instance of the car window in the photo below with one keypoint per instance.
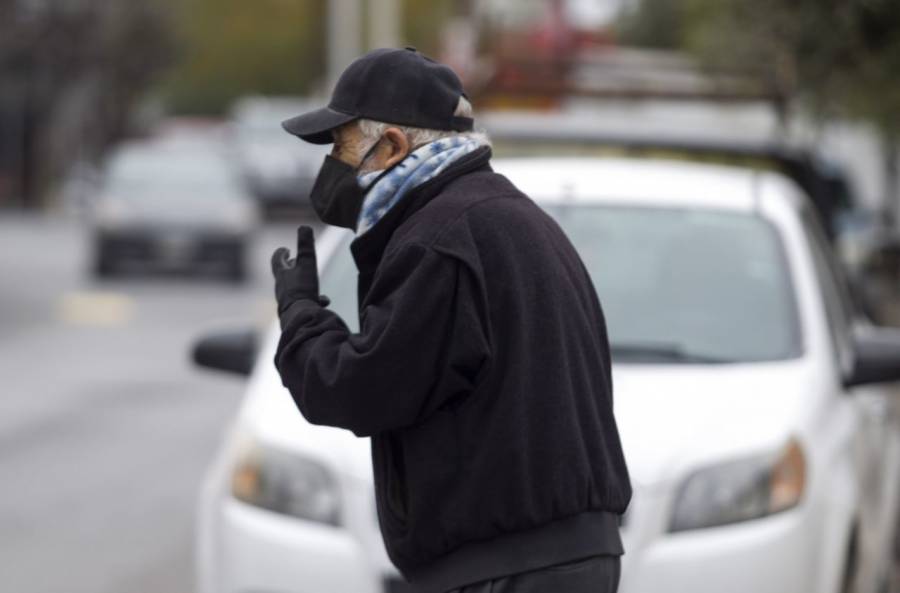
x,y
687,285
838,308
338,282
162,175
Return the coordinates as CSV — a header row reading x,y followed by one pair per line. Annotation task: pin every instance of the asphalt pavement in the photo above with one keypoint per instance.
x,y
106,427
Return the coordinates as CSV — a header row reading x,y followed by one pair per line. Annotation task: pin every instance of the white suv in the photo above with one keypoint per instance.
x,y
763,450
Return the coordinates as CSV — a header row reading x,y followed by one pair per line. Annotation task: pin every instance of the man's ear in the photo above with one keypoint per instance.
x,y
398,146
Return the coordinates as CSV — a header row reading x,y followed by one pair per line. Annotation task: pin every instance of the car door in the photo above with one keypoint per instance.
x,y
876,440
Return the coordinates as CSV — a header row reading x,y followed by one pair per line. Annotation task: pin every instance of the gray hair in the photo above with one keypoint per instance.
x,y
373,130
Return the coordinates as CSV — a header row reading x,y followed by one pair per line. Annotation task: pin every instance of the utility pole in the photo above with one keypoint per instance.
x,y
345,30
344,36
385,20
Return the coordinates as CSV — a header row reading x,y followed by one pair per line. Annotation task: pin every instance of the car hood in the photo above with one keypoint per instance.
x,y
176,211
671,418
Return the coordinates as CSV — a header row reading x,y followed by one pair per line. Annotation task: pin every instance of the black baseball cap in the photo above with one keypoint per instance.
x,y
396,86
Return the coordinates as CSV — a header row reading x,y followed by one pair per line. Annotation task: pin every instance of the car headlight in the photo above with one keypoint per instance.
x,y
741,490
286,483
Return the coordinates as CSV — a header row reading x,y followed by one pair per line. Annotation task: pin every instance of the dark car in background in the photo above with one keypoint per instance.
x,y
168,204
277,169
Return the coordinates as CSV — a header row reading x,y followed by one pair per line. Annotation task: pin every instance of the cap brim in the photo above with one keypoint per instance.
x,y
316,126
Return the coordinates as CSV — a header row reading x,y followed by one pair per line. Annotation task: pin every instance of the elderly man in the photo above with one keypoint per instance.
x,y
481,369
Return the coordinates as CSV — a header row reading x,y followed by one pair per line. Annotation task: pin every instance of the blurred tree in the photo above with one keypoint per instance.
x,y
830,57
230,48
424,22
869,85
70,73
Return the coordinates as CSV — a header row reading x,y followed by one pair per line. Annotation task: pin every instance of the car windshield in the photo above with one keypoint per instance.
x,y
161,175
687,285
677,286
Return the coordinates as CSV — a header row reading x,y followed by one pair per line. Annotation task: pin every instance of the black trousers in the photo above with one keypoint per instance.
x,y
597,574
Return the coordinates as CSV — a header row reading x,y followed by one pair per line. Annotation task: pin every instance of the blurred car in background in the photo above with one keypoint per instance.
x,y
278,169
174,205
764,450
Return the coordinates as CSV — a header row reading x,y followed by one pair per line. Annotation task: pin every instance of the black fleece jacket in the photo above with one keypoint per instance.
x,y
482,373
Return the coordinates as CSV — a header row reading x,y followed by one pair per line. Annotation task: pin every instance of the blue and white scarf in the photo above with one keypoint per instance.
x,y
424,163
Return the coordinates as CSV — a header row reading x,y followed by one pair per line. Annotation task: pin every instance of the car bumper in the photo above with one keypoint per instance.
x,y
170,248
263,552
777,554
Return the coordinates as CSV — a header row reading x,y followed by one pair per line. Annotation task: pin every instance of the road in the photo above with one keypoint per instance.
x,y
105,426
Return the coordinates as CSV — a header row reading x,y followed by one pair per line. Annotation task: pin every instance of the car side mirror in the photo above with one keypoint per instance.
x,y
877,356
229,351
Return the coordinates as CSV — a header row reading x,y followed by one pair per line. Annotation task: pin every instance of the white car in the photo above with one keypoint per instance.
x,y
762,445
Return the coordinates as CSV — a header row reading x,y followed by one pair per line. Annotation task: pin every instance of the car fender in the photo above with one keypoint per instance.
x,y
839,499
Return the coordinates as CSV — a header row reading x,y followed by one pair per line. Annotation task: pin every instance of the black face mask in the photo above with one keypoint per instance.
x,y
336,195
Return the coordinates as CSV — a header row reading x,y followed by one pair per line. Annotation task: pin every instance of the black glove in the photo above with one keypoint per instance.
x,y
297,278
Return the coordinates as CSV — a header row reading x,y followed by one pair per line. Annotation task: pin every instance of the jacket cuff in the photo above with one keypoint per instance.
x,y
296,309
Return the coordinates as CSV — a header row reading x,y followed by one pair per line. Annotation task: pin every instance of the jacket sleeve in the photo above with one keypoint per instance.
x,y
421,343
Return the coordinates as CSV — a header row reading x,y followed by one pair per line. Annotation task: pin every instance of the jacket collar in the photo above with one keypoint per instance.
x,y
368,248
